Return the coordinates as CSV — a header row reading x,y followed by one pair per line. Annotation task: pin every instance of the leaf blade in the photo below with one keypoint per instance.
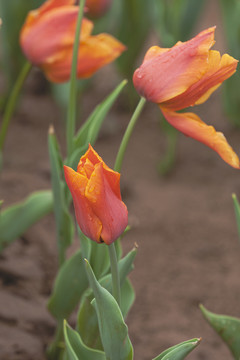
x,y
227,327
71,280
113,330
75,347
16,219
179,351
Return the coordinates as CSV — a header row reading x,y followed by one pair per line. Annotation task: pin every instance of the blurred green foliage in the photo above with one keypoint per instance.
x,y
13,14
230,15
175,20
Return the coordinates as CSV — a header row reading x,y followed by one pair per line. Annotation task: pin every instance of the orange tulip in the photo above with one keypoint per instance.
x,y
97,8
95,188
47,38
186,75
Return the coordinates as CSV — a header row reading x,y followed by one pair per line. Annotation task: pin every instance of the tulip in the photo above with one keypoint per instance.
x,y
47,38
186,75
97,8
95,188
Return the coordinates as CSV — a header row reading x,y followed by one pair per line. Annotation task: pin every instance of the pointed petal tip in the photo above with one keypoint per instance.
x,y
191,125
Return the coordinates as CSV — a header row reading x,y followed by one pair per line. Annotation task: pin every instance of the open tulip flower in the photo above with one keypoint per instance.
x,y
95,188
183,76
97,8
47,38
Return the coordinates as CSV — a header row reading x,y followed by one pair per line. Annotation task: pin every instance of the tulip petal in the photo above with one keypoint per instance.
x,y
87,220
112,176
153,52
94,53
106,205
90,155
54,31
170,73
191,125
35,15
47,38
218,69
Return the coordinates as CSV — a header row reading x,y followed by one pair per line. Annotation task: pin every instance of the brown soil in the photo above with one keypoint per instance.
x,y
184,226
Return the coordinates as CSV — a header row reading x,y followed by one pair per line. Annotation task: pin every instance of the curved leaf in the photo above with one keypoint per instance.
x,y
76,349
64,221
87,322
16,219
180,351
237,212
227,327
90,129
113,330
70,284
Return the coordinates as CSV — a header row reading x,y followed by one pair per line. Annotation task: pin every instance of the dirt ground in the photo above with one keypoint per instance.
x,y
184,225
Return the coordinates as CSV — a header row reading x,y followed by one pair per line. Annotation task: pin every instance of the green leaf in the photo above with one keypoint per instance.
x,y
86,244
64,222
70,284
113,330
16,219
180,351
76,349
237,212
227,327
127,297
99,259
90,129
87,323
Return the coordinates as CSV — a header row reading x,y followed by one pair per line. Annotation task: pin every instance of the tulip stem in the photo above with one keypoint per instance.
x,y
71,114
116,290
127,135
12,101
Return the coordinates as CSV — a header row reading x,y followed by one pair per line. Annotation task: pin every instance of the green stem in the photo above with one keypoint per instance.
x,y
127,135
167,162
116,290
11,104
71,115
118,165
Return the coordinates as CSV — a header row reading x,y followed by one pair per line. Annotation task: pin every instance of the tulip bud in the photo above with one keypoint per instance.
x,y
95,188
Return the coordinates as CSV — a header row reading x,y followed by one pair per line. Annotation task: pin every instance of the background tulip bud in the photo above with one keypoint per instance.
x,y
97,8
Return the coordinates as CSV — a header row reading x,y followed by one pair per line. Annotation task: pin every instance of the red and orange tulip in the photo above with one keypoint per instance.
x,y
95,188
97,8
183,76
47,38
